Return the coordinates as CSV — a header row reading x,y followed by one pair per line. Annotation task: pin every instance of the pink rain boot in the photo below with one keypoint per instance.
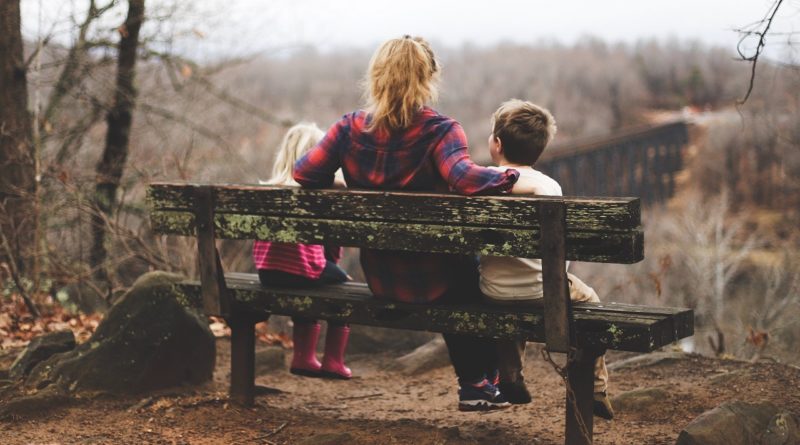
x,y
304,359
333,361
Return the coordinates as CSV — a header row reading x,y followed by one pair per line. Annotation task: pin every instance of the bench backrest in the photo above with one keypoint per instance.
x,y
606,230
552,228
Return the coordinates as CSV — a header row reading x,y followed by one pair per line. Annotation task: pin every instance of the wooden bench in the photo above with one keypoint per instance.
x,y
604,230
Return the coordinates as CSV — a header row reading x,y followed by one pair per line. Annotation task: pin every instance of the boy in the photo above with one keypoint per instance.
x,y
520,132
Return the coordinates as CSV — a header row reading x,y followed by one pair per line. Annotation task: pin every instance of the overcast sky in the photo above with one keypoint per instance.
x,y
239,26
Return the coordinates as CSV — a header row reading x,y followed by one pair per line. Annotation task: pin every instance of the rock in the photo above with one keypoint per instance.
x,y
34,404
431,355
783,429
328,439
39,349
270,359
645,360
639,399
732,423
369,339
279,324
147,341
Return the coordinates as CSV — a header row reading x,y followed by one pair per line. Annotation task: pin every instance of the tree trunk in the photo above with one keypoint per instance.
x,y
109,169
17,170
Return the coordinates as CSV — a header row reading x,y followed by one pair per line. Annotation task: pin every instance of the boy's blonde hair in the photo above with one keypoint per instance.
x,y
296,142
524,130
401,78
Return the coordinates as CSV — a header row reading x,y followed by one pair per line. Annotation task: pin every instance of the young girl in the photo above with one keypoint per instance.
x,y
304,265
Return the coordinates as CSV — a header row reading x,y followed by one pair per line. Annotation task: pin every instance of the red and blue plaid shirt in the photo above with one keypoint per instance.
x,y
430,155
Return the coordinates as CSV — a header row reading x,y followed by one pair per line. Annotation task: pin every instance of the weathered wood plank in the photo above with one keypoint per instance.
x,y
215,298
580,420
600,247
243,353
601,214
557,305
353,303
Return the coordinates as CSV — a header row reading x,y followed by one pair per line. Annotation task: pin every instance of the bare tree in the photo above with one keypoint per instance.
x,y
713,245
17,171
109,169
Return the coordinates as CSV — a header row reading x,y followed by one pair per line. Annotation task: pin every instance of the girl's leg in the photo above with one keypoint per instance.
x,y
305,332
305,335
338,333
283,279
332,274
335,344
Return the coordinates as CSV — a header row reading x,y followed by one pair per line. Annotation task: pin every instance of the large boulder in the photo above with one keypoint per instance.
x,y
363,339
732,423
270,359
430,356
783,429
147,341
639,400
39,349
371,340
647,360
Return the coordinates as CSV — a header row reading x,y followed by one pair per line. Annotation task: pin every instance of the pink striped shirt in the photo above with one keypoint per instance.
x,y
305,260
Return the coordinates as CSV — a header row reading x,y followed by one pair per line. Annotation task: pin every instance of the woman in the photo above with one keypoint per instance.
x,y
399,143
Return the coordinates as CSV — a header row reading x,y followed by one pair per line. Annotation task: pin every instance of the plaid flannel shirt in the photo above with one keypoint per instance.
x,y
430,155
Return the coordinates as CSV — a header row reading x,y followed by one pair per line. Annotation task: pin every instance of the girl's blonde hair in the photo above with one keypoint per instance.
x,y
296,142
401,78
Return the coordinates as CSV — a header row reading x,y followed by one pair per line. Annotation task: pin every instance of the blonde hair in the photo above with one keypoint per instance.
x,y
296,142
401,78
524,130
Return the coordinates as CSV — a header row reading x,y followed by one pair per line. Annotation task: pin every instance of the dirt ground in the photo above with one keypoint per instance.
x,y
385,407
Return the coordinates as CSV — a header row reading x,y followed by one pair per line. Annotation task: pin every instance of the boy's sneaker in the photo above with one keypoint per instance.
x,y
515,392
483,396
602,406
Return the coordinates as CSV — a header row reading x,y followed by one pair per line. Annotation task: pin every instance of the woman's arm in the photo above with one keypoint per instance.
x,y
318,167
541,185
464,176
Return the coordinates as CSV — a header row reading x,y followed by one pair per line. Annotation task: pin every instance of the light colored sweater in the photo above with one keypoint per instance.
x,y
509,278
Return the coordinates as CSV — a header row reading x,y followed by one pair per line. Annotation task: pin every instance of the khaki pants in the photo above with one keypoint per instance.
x,y
511,353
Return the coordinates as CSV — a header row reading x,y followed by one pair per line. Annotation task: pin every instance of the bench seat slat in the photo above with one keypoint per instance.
x,y
585,214
595,326
600,247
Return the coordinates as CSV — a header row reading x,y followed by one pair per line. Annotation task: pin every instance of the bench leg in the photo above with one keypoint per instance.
x,y
580,376
243,354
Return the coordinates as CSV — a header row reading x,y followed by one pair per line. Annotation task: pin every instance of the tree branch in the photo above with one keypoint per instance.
x,y
762,41
12,263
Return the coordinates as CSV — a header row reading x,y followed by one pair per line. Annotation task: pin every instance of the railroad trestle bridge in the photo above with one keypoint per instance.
x,y
639,161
